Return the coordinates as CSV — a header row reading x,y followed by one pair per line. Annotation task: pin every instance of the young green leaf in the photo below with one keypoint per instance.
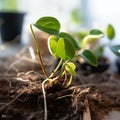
x,y
95,32
49,25
115,49
89,57
52,44
71,39
76,16
70,67
65,49
90,38
110,32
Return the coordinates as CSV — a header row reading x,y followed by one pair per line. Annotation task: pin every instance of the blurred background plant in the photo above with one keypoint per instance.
x,y
8,5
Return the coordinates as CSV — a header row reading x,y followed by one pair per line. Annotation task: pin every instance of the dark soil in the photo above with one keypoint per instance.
x,y
103,65
21,96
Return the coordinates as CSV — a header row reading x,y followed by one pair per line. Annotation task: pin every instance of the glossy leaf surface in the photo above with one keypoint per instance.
x,y
52,44
65,49
49,25
115,49
110,32
71,39
90,38
95,32
70,67
89,57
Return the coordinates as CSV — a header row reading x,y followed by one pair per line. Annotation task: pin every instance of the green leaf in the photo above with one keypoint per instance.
x,y
91,38
52,44
70,67
49,25
71,39
95,32
115,49
110,32
89,57
76,16
65,49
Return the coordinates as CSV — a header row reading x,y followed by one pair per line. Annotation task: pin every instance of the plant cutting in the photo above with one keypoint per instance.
x,y
91,42
61,45
21,93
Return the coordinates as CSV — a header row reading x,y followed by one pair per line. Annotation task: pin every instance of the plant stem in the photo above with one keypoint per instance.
x,y
38,52
62,70
69,82
55,70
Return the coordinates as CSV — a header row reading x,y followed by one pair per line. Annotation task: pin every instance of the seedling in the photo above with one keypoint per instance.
x,y
91,40
61,45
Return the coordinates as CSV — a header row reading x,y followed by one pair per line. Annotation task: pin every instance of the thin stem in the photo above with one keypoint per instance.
x,y
60,62
42,66
38,52
55,70
62,69
60,74
69,82
65,73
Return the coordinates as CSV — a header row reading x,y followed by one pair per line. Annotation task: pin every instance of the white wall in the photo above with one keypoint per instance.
x,y
103,12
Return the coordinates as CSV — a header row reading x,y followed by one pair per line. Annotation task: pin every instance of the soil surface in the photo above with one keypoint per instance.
x,y
21,96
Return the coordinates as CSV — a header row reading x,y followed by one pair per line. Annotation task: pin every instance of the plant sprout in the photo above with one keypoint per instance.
x,y
61,45
91,40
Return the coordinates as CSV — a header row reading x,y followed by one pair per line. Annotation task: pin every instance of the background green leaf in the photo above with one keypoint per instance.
x,y
49,25
90,38
76,17
115,49
71,39
65,49
95,32
89,57
110,32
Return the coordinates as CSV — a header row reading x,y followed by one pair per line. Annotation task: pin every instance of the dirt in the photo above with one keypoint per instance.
x,y
21,96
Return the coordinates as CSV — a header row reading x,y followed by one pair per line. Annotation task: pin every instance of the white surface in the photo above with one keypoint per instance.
x,y
113,115
7,50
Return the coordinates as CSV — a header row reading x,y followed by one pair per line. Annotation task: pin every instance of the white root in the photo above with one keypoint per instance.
x,y
86,114
44,96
